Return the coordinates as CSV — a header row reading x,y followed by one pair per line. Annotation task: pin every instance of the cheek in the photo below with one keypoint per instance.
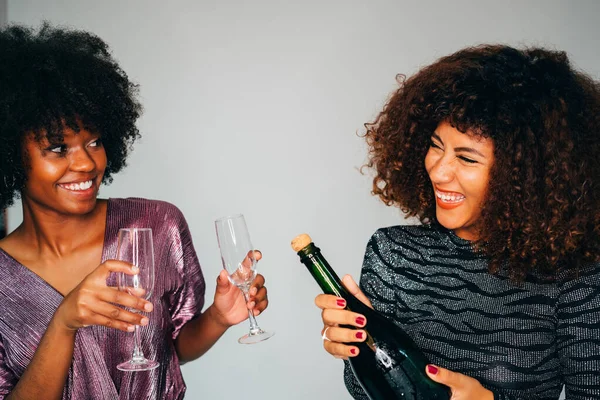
x,y
100,159
477,182
40,171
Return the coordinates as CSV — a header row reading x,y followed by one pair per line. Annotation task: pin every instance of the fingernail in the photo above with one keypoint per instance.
x,y
360,321
252,304
359,335
353,351
134,268
148,307
341,303
130,328
253,291
144,321
432,369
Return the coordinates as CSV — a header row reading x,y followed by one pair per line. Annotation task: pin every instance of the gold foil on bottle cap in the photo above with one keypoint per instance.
x,y
300,242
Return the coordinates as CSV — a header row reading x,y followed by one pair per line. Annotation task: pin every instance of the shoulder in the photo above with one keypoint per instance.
x,y
407,234
399,241
587,277
133,204
154,213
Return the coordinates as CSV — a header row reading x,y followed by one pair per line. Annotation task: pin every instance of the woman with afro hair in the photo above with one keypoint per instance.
x,y
67,124
496,150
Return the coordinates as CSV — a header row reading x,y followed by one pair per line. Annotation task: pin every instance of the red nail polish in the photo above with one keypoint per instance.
x,y
432,369
359,335
341,303
360,321
353,351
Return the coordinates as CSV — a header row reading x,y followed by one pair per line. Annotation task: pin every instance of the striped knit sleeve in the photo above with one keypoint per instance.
x,y
354,388
503,396
578,334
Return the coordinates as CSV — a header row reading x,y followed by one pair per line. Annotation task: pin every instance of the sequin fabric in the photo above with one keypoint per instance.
x,y
27,304
521,342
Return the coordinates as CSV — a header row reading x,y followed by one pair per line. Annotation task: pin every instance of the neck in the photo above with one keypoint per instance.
x,y
58,234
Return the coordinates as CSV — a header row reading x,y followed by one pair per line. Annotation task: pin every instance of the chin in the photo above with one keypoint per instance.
x,y
447,221
82,208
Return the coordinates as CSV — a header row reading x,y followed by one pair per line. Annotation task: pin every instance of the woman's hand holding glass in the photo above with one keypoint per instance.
x,y
92,302
239,264
230,305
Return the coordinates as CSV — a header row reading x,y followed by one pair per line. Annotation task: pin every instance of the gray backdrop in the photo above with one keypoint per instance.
x,y
254,107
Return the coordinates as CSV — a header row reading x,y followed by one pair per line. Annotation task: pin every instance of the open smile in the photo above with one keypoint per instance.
x,y
448,200
449,197
77,186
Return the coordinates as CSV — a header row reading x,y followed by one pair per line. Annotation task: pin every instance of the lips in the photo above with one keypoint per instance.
x,y
77,186
448,200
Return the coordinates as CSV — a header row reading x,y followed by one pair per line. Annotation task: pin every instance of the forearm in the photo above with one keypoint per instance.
x,y
47,372
198,336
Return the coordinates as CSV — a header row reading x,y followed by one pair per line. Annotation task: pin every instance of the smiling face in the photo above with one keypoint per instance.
x,y
459,166
64,177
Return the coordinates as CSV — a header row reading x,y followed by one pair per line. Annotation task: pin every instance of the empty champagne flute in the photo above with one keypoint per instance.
x,y
239,261
135,247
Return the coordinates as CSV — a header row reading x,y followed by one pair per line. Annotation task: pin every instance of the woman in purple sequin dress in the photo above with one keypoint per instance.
x,y
67,122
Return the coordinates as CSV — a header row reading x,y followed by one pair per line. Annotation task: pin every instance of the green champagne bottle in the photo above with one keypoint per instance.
x,y
389,364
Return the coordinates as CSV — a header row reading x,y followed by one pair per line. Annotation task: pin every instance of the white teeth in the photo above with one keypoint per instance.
x,y
78,186
450,198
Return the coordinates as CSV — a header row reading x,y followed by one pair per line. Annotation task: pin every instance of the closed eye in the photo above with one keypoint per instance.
x,y
435,145
467,160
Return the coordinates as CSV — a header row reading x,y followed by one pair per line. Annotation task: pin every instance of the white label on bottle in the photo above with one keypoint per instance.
x,y
383,358
395,374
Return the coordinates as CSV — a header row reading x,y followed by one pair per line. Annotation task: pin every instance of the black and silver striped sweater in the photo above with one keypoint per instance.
x,y
521,342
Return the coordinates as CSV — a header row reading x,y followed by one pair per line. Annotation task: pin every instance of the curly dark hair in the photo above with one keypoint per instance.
x,y
541,216
57,77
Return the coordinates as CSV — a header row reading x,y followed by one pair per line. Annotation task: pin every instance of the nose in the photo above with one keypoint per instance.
x,y
442,170
81,161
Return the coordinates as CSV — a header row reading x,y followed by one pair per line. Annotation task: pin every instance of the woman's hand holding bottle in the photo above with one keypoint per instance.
x,y
334,315
463,387
336,337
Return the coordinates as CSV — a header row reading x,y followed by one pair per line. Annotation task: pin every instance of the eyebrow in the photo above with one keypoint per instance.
x,y
459,149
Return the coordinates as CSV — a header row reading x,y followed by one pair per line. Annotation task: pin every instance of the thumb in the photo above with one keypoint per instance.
x,y
355,290
223,283
444,376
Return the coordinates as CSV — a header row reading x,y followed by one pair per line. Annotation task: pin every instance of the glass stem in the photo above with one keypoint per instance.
x,y
254,328
138,354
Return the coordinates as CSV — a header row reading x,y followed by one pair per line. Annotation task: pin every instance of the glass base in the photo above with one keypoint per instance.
x,y
252,338
135,365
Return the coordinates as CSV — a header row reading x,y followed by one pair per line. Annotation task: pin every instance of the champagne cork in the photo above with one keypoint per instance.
x,y
300,242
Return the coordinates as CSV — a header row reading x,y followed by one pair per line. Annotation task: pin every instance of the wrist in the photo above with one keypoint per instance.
x,y
216,317
57,327
58,330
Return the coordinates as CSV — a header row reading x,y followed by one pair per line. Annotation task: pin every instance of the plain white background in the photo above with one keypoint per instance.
x,y
255,107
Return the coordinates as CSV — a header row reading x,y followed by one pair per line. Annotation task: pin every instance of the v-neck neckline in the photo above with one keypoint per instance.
x,y
37,277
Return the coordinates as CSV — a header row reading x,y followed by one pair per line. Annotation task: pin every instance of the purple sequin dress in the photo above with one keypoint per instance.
x,y
27,304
